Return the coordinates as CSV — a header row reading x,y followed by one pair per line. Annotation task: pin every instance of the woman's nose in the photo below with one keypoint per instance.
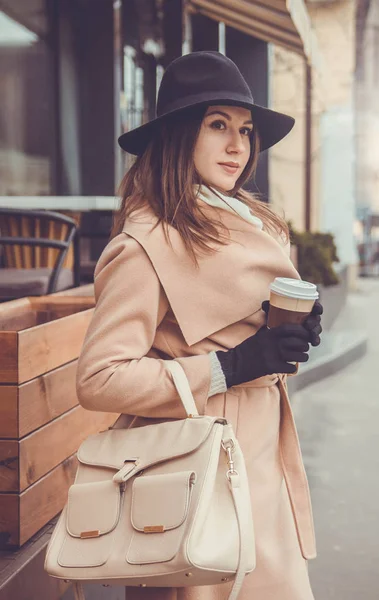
x,y
235,143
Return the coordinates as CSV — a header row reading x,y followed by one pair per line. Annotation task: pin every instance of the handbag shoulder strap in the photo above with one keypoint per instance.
x,y
181,383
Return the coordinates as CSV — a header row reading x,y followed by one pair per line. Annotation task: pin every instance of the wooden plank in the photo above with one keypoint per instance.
x,y
23,462
44,449
13,307
27,407
37,249
40,348
22,515
25,319
256,12
15,232
9,466
8,357
278,5
45,398
9,412
45,347
242,21
45,499
276,37
45,302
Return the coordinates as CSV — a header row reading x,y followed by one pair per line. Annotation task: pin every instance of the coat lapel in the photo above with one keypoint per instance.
x,y
227,287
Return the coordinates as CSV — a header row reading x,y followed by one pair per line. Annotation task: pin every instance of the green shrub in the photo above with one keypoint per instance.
x,y
316,253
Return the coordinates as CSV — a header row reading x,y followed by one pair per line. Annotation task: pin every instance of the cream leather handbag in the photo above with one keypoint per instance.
x,y
166,505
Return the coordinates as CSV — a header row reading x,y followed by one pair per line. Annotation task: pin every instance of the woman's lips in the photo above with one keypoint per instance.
x,y
229,168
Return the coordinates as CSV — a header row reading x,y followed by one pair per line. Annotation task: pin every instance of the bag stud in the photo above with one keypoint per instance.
x,y
188,574
142,585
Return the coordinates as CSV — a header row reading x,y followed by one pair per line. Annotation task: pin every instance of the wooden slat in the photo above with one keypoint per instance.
x,y
9,412
37,350
22,515
51,345
13,307
46,397
252,27
27,251
25,408
44,302
77,216
45,347
37,249
277,5
4,228
9,466
43,500
257,12
22,320
42,450
14,231
8,357
23,463
260,34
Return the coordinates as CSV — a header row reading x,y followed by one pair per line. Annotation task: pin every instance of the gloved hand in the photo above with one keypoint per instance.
x,y
312,323
268,351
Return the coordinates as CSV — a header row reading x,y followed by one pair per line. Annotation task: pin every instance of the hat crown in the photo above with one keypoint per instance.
x,y
205,73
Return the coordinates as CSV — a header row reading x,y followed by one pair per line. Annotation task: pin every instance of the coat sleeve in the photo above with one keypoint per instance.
x,y
114,373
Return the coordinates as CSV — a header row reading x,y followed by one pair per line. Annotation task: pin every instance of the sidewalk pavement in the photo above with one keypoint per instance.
x,y
338,422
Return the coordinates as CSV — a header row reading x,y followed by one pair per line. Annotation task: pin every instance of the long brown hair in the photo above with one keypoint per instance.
x,y
164,176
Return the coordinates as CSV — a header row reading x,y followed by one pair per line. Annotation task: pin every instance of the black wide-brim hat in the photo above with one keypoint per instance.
x,y
206,78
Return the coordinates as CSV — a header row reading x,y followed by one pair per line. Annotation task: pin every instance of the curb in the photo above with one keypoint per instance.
x,y
346,347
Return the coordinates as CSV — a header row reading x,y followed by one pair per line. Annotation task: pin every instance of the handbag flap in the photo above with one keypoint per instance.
x,y
160,502
146,445
93,509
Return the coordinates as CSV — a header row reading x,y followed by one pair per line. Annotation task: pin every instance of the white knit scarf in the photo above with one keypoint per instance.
x,y
228,203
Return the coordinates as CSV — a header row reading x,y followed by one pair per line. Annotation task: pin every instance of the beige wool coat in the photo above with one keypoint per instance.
x,y
152,303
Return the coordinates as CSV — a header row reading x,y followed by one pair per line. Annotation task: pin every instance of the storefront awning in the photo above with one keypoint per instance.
x,y
283,22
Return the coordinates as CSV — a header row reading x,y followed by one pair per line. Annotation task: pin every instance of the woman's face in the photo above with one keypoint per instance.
x,y
222,148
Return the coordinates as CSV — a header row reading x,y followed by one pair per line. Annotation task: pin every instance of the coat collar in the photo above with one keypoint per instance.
x,y
227,286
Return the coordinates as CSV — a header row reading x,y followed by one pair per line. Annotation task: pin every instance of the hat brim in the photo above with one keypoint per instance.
x,y
272,126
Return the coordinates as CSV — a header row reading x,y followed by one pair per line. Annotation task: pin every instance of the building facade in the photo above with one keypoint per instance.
x,y
77,73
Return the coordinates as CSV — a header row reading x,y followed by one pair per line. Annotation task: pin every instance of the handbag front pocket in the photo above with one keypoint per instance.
x,y
159,509
93,511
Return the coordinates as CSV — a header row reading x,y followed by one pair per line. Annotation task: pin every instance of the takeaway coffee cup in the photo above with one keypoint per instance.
x,y
291,301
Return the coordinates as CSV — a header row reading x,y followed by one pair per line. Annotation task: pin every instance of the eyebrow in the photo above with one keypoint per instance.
x,y
228,117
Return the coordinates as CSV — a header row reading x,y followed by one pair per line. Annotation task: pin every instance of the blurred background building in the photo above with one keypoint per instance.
x,y
77,73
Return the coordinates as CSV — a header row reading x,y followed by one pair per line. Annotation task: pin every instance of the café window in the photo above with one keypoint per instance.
x,y
26,119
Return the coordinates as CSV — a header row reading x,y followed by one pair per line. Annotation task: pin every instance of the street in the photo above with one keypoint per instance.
x,y
338,422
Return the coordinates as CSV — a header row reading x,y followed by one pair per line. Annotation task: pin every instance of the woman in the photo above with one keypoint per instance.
x,y
184,277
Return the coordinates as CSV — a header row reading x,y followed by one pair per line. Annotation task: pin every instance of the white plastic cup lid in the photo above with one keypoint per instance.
x,y
294,288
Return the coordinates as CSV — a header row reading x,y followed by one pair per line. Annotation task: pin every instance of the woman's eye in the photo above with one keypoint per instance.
x,y
246,131
218,125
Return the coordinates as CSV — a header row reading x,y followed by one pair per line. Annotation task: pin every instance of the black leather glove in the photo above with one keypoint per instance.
x,y
312,323
268,351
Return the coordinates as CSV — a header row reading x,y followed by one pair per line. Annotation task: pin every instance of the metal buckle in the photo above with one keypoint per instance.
x,y
229,447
